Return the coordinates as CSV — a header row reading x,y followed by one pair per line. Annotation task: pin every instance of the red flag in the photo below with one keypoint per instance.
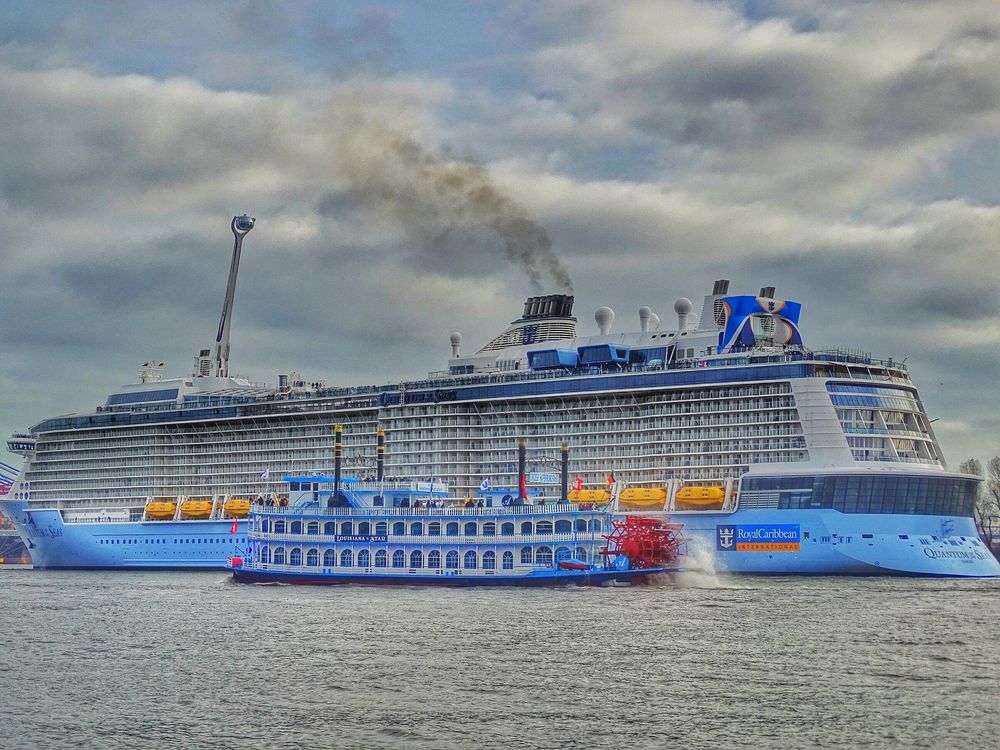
x,y
236,523
579,484
611,478
524,485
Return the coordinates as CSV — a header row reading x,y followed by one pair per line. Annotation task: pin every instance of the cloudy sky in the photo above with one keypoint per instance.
x,y
417,171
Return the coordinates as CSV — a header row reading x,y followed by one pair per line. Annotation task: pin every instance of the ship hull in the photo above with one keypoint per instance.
x,y
534,580
803,542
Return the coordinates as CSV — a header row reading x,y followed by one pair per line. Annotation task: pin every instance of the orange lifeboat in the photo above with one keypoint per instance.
x,y
700,498
237,507
161,509
196,507
642,498
589,496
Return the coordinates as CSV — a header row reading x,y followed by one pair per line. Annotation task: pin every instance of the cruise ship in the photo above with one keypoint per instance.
x,y
776,457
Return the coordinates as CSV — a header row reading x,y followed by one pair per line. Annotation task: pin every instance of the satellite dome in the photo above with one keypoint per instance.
x,y
456,343
683,306
243,224
604,316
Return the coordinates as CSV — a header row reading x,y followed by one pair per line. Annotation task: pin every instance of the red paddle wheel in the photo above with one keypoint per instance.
x,y
646,542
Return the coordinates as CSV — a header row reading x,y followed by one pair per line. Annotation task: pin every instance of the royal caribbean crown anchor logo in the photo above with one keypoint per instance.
x,y
724,536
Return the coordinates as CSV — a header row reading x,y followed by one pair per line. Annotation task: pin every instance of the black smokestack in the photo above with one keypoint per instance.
x,y
522,460
380,455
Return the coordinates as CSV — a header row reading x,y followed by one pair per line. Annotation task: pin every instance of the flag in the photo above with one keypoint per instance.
x,y
524,485
579,484
611,478
235,526
485,485
266,473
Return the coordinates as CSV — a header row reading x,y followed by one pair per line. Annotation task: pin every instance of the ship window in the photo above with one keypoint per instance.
x,y
330,527
313,527
451,560
329,558
279,527
381,528
563,527
296,527
346,559
581,554
279,556
416,559
526,555
526,527
508,560
364,528
398,528
507,529
470,528
581,524
398,559
595,524
416,529
381,558
489,560
295,558
312,558
489,529
434,559
543,556
364,558
434,528
452,530
543,527
563,553
347,528
470,560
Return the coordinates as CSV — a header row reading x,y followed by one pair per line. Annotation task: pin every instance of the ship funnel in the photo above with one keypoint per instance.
x,y
604,317
456,344
721,287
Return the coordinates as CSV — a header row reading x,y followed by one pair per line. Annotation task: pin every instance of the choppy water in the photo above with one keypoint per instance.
x,y
124,660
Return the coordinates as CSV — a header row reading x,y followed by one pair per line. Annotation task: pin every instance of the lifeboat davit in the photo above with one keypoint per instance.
x,y
196,508
161,510
700,498
237,507
642,498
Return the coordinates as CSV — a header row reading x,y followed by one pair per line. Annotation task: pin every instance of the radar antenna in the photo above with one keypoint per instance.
x,y
241,227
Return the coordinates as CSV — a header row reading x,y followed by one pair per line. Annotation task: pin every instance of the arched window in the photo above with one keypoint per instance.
x,y
364,558
279,527
489,529
452,530
470,560
265,525
398,528
543,527
296,527
313,527
329,558
434,529
563,553
312,558
330,528
416,559
526,527
507,529
295,557
416,529
543,556
347,528
265,554
451,560
470,528
398,559
581,554
346,559
381,528
279,555
489,560
595,524
364,528
381,559
525,555
581,524
563,527
508,560
434,559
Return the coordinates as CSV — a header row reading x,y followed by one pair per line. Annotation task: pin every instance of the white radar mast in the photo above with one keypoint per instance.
x,y
241,228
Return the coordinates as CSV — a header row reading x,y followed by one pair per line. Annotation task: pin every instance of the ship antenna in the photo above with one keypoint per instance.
x,y
241,227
